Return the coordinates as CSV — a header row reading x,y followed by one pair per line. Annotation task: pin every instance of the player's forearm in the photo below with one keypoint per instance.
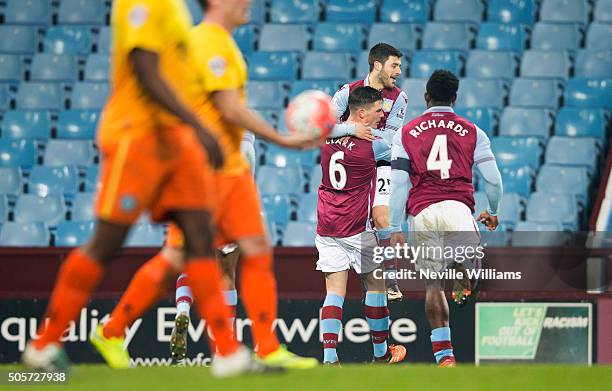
x,y
493,184
145,66
343,129
400,186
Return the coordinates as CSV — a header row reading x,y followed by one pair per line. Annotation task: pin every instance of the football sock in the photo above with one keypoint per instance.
x,y
258,292
204,278
148,284
441,343
331,323
377,315
77,277
183,295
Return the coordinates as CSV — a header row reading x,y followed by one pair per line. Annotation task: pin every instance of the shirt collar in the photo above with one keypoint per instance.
x,y
439,109
366,83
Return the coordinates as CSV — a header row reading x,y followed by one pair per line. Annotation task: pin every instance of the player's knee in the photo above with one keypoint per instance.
x,y
257,245
174,256
106,240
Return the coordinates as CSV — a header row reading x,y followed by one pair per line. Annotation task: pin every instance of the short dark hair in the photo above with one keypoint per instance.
x,y
381,53
363,96
442,86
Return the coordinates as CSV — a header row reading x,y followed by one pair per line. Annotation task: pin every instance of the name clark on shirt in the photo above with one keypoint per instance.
x,y
344,141
432,123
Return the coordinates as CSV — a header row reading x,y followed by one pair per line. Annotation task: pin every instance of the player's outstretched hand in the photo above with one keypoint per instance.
x,y
300,141
489,221
213,150
363,132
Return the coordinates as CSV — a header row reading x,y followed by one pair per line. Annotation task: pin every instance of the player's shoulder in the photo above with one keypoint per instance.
x,y
354,84
212,34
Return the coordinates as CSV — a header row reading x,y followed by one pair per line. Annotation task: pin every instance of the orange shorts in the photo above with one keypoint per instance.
x,y
237,213
154,173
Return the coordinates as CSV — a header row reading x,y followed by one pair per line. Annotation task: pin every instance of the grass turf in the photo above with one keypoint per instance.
x,y
349,377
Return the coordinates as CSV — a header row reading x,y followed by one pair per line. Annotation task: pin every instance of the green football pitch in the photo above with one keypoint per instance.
x,y
349,377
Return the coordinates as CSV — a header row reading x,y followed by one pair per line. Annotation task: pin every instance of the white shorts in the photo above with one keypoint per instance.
x,y
338,254
443,231
383,186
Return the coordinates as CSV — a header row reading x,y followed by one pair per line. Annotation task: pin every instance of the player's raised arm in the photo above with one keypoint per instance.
x,y
487,166
400,186
146,68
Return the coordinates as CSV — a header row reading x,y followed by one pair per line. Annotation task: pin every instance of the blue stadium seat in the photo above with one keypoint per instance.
x,y
511,11
31,208
586,92
69,152
57,180
54,68
274,180
195,10
277,156
104,40
481,93
424,62
273,65
564,180
573,151
307,210
501,36
89,95
594,63
18,39
73,233
315,177
83,207
84,12
517,121
92,173
545,64
530,234
4,208
328,86
404,11
97,67
553,208
518,179
36,12
40,96
484,117
11,68
145,235
458,11
16,153
598,36
245,37
445,36
581,122
299,234
68,40
266,94
556,36
353,11
10,180
322,65
399,35
24,235
338,37
517,151
277,208
258,11
415,90
274,37
6,95
363,67
535,93
77,124
565,11
487,64
26,124
603,11
298,11
510,209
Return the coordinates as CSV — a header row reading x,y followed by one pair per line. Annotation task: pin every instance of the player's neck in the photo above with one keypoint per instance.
x,y
218,19
374,82
431,104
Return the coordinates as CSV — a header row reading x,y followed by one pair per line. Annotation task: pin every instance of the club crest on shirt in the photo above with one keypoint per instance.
x,y
138,15
217,65
387,105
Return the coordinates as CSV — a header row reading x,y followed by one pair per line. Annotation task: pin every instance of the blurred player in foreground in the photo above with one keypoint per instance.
x,y
385,68
345,238
432,157
153,159
217,87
